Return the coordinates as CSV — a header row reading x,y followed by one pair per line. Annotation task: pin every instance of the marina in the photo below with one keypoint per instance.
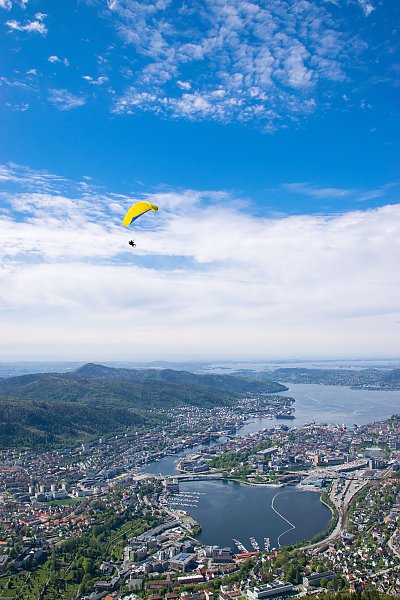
x,y
240,546
255,545
184,499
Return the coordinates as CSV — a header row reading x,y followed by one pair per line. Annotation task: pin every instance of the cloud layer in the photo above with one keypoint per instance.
x,y
230,59
208,276
267,64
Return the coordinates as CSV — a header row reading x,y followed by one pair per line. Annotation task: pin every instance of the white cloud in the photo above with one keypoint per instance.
x,y
65,100
32,180
18,106
99,81
8,4
30,26
14,83
206,277
315,191
55,59
366,6
184,85
376,193
267,61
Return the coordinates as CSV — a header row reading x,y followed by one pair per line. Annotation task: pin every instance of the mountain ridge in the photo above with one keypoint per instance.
x,y
94,400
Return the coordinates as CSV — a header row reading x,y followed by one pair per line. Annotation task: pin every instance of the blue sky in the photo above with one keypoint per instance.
x,y
268,134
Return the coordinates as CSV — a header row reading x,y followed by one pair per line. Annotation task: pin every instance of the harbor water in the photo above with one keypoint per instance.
x,y
228,510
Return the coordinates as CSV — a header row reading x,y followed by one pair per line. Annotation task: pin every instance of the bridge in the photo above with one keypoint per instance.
x,y
198,476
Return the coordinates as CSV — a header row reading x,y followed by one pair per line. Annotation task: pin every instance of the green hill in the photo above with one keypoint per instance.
x,y
34,424
229,383
148,389
94,400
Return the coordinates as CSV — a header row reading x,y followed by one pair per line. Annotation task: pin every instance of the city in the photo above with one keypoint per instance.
x,y
91,522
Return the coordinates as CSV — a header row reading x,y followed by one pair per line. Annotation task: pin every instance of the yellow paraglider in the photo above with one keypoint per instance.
x,y
137,210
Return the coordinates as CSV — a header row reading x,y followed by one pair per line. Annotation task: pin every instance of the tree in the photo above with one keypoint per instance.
x,y
53,560
87,565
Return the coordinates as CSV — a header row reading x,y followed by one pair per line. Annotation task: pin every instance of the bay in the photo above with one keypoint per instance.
x,y
228,510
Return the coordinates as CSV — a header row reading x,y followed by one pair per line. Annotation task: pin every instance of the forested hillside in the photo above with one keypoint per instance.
x,y
94,400
38,423
228,383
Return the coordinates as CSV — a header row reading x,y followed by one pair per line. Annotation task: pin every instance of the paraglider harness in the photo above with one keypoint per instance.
x,y
132,243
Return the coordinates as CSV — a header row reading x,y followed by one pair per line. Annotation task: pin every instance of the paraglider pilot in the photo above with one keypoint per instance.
x,y
135,212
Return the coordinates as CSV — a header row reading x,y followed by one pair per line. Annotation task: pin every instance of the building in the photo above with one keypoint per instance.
x,y
317,459
314,580
377,463
194,465
269,590
182,562
227,594
218,554
171,486
267,452
192,578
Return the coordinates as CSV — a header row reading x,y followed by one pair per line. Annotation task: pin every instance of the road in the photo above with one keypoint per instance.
x,y
341,496
392,543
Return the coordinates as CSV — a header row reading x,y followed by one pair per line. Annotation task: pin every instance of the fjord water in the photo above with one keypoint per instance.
x,y
332,404
339,404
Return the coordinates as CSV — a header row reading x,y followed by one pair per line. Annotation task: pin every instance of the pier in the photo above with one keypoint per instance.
x,y
240,546
282,517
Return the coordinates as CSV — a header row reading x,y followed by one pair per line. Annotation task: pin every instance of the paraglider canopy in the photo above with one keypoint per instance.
x,y
137,210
